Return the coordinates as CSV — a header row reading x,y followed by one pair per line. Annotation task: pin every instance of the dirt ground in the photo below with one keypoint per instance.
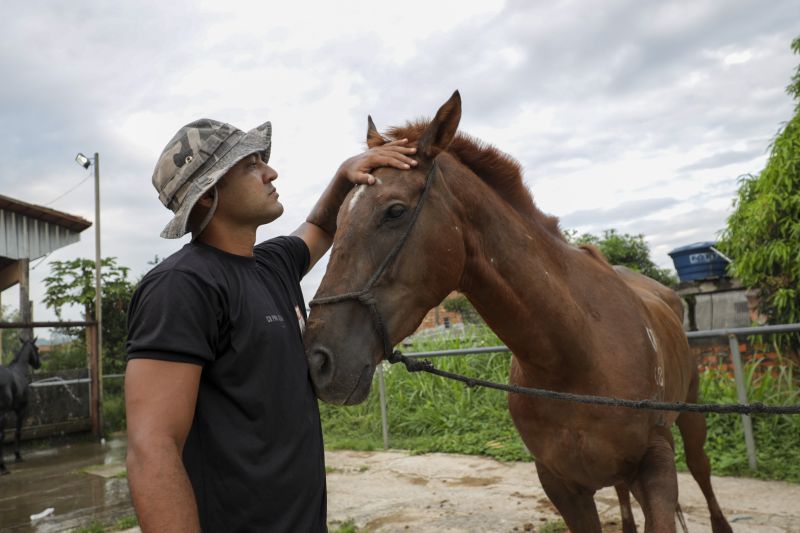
x,y
392,491
395,491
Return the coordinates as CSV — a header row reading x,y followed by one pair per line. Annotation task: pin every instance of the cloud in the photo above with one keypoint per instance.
x,y
623,113
620,214
722,159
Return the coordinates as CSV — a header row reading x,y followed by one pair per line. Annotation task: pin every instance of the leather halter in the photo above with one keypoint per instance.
x,y
365,296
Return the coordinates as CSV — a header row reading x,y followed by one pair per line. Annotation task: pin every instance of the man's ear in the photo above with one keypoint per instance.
x,y
373,137
206,200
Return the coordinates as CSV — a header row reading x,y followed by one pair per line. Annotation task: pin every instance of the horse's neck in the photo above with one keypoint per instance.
x,y
516,276
21,363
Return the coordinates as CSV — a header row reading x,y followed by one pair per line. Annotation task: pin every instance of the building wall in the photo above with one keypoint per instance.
x,y
439,316
721,310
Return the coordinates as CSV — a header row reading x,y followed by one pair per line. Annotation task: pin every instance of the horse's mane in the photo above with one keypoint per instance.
x,y
497,169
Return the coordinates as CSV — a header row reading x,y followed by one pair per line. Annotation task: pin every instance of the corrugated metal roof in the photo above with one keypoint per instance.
x,y
65,220
32,231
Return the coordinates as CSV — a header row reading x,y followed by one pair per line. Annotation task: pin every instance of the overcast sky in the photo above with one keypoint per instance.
x,y
625,114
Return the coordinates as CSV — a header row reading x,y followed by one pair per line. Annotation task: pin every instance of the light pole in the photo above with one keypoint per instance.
x,y
85,162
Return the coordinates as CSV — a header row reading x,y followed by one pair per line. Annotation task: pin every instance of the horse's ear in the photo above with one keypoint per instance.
x,y
441,131
373,137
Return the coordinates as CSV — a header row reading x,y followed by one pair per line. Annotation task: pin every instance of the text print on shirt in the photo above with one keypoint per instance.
x,y
274,318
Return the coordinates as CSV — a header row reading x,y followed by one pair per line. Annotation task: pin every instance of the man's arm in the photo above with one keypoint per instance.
x,y
160,399
320,226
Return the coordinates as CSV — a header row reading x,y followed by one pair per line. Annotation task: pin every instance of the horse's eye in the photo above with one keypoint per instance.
x,y
395,211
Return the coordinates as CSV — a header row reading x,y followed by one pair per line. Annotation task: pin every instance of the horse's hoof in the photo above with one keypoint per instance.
x,y
4,471
19,459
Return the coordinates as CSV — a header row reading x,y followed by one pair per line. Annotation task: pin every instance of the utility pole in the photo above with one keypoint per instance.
x,y
94,334
98,294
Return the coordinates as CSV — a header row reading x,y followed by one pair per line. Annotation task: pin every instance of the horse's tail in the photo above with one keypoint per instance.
x,y
681,519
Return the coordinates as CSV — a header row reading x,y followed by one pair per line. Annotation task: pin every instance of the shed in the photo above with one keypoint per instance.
x,y
28,232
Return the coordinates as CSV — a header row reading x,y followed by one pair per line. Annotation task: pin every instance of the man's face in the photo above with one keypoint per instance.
x,y
247,195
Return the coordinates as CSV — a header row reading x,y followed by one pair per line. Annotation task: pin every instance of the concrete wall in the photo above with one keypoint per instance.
x,y
721,310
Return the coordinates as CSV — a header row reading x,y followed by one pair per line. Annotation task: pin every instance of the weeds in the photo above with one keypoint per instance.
x,y
348,526
126,522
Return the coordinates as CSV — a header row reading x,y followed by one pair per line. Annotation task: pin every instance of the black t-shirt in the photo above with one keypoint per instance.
x,y
254,453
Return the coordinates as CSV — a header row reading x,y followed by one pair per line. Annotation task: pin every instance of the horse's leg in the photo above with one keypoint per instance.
x,y
693,431
624,496
678,510
577,508
21,414
3,469
656,485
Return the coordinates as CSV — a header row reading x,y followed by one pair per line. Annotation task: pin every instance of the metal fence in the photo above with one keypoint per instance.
x,y
732,335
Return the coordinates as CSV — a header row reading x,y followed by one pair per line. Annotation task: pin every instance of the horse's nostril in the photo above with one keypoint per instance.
x,y
321,364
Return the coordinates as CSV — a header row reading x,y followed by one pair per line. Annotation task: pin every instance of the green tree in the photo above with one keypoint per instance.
x,y
71,283
628,250
461,305
10,337
762,235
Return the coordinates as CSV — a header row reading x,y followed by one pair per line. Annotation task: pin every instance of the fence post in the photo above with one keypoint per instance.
x,y
384,419
95,394
741,393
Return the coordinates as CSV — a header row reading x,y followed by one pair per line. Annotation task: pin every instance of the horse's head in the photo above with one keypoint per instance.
x,y
30,352
347,338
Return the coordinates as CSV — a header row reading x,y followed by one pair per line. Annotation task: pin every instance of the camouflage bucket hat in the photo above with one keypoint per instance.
x,y
194,161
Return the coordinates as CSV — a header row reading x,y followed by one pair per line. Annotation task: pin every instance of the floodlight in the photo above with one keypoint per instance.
x,y
83,161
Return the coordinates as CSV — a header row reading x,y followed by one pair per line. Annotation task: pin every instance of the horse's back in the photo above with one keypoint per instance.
x,y
641,283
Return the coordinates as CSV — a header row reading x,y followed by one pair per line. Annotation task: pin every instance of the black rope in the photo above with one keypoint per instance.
x,y
414,365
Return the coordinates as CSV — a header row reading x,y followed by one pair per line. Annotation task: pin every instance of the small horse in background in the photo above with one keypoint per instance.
x,y
573,323
14,384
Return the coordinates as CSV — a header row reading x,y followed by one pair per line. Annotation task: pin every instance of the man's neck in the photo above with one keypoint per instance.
x,y
240,242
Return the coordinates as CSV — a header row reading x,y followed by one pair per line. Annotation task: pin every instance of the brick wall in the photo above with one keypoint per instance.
x,y
439,316
711,353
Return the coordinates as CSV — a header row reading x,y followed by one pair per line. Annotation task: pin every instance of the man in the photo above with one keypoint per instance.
x,y
223,424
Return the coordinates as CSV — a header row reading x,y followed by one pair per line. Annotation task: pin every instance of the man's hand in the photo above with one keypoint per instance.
x,y
318,230
392,154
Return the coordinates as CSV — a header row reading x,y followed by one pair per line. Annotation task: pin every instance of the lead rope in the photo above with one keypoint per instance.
x,y
413,365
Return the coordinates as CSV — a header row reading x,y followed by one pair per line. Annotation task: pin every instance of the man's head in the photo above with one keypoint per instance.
x,y
194,162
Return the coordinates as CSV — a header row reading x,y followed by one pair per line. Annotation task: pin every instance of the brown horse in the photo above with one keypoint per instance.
x,y
573,322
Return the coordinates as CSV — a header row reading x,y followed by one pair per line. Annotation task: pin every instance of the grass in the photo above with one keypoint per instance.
x,y
776,437
348,526
553,526
94,527
430,414
126,522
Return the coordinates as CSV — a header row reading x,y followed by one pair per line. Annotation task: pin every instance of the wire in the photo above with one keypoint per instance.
x,y
41,260
51,202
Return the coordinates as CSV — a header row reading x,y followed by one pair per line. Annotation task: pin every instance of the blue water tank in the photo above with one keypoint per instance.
x,y
698,261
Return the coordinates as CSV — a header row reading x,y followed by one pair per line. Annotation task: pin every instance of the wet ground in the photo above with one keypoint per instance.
x,y
83,482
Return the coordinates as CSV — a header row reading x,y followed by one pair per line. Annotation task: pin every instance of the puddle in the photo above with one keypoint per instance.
x,y
57,478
